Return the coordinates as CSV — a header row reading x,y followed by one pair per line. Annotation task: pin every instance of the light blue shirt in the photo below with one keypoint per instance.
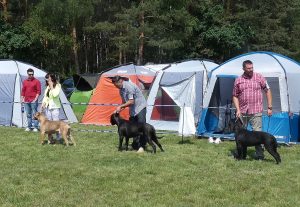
x,y
131,91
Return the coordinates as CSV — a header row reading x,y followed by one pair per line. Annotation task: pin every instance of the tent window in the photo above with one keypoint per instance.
x,y
273,82
165,108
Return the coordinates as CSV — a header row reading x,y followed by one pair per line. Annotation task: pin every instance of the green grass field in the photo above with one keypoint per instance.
x,y
94,173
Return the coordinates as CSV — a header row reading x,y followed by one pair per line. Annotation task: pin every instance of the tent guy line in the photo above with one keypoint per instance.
x,y
99,104
83,103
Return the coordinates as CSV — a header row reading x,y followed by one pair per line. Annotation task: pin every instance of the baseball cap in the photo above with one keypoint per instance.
x,y
117,78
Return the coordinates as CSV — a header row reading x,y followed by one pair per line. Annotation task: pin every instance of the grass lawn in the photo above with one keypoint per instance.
x,y
94,173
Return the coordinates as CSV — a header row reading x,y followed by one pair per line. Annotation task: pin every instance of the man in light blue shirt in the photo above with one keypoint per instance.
x,y
133,98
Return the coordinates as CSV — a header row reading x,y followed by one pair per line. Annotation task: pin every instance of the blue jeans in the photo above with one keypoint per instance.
x,y
31,109
140,117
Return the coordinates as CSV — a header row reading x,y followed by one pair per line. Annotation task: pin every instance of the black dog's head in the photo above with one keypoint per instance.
x,y
114,119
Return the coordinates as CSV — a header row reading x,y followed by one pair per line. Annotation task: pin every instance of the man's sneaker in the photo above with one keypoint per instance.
x,y
218,141
35,130
27,129
211,140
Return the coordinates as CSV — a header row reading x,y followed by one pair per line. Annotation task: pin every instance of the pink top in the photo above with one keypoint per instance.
x,y
248,91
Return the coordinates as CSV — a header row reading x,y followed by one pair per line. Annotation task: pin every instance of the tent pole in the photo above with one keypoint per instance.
x,y
182,124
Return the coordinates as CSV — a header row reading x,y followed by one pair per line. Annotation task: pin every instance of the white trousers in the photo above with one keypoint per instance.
x,y
53,115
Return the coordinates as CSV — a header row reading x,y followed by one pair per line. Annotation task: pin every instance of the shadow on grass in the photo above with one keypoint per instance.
x,y
187,141
251,156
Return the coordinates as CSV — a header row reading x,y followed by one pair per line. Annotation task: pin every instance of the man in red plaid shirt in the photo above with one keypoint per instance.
x,y
248,100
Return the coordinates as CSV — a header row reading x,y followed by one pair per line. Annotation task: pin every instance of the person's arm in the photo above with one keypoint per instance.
x,y
237,105
124,105
23,93
36,97
38,90
269,101
130,96
54,92
235,100
45,100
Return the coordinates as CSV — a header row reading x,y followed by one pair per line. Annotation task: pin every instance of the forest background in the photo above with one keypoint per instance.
x,y
88,36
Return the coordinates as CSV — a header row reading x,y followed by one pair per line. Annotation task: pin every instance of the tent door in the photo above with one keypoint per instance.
x,y
7,88
165,109
220,110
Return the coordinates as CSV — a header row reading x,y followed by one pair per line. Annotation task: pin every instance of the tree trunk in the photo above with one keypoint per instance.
x,y
120,56
141,49
97,55
124,57
100,55
75,48
85,40
4,4
228,7
26,9
141,38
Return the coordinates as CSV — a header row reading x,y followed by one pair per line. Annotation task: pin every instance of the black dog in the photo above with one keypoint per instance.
x,y
245,138
132,129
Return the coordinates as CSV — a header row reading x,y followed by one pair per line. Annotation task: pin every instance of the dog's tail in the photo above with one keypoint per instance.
x,y
159,137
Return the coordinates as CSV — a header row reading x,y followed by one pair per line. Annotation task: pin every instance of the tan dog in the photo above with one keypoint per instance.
x,y
51,127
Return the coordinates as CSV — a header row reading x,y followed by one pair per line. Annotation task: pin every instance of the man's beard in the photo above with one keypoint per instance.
x,y
249,74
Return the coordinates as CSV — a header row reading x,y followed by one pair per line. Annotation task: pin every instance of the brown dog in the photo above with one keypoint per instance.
x,y
51,127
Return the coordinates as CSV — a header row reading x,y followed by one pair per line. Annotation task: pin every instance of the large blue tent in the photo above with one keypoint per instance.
x,y
283,76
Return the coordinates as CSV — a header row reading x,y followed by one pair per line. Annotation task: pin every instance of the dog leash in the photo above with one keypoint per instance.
x,y
268,123
241,119
94,130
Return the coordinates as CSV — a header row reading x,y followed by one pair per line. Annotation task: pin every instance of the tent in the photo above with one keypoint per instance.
x,y
86,82
106,96
84,86
175,98
12,74
156,67
282,75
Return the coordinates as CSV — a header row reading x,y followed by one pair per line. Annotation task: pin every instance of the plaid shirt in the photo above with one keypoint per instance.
x,y
249,93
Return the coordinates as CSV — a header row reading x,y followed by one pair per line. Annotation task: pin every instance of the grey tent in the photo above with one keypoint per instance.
x,y
12,74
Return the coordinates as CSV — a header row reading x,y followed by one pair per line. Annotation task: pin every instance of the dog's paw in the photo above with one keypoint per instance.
x,y
141,150
44,142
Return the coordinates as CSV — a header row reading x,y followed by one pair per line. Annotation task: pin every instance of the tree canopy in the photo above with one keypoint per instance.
x,y
88,36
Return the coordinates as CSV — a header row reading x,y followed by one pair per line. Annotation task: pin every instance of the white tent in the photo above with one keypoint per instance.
x,y
283,77
175,98
12,74
156,67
